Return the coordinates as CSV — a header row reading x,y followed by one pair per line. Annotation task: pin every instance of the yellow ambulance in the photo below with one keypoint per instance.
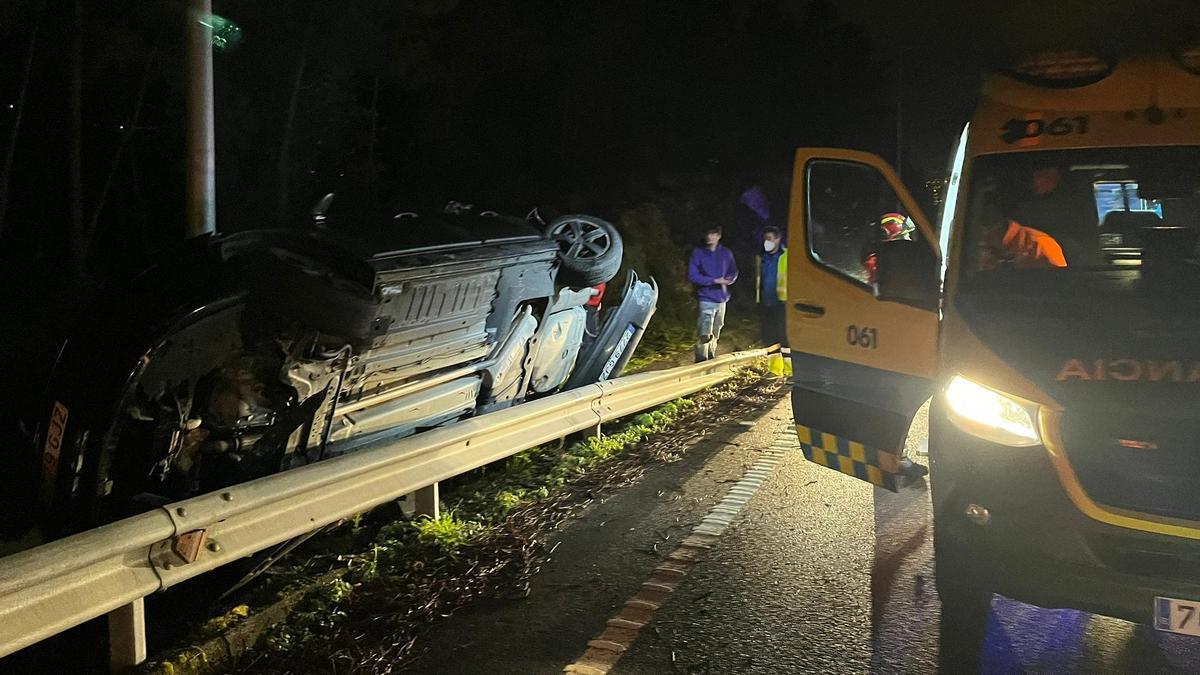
x,y
1052,314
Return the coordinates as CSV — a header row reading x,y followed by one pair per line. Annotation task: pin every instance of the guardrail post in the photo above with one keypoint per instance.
x,y
127,636
426,502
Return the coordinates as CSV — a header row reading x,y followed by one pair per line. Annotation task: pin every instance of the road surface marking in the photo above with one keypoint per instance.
x,y
605,649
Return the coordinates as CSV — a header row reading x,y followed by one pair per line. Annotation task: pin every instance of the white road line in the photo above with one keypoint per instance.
x,y
621,631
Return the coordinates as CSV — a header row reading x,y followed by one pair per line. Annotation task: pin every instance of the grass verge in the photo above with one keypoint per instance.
x,y
668,345
366,590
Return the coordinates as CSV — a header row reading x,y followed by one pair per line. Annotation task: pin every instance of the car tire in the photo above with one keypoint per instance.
x,y
966,604
589,249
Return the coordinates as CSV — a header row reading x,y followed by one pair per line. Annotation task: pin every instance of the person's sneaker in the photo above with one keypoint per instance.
x,y
910,469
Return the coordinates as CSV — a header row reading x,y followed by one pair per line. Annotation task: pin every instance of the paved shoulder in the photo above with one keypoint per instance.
x,y
600,560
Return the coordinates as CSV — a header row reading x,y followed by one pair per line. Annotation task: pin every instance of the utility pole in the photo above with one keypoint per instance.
x,y
201,170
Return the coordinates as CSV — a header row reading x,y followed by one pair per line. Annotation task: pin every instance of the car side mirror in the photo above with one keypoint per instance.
x,y
908,273
321,209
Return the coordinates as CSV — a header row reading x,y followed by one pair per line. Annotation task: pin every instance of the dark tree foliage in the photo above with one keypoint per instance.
x,y
119,213
394,104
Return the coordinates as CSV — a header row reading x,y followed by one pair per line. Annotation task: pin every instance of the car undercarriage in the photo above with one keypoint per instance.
x,y
312,345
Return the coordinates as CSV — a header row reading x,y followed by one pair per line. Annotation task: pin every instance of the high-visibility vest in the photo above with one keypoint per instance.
x,y
780,278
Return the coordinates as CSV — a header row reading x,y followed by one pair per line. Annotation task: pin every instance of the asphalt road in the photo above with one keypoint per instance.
x,y
817,573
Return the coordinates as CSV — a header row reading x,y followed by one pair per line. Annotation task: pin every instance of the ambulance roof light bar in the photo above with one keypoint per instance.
x,y
1062,70
1189,59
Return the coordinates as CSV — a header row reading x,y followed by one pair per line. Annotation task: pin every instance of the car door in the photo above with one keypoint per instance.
x,y
863,349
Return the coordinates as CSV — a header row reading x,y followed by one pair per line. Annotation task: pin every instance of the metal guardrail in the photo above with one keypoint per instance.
x,y
48,589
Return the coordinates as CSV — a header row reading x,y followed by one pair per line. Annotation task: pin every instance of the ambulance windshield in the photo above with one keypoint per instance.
x,y
1079,211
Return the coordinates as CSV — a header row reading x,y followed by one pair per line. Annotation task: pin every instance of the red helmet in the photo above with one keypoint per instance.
x,y
896,226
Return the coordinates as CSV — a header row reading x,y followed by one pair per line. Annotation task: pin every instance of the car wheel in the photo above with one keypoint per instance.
x,y
966,604
589,249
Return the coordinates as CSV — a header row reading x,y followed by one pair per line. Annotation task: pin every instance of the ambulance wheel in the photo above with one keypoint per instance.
x,y
966,604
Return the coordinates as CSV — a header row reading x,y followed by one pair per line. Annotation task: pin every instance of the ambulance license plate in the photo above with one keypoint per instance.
x,y
1177,616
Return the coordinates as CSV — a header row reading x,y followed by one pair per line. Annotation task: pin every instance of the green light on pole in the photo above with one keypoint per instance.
x,y
225,34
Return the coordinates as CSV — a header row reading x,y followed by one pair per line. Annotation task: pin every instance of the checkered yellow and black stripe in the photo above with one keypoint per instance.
x,y
852,458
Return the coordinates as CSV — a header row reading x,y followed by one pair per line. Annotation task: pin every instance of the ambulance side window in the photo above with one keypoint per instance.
x,y
846,203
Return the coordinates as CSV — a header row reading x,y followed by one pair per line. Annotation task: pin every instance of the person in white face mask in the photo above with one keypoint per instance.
x,y
770,292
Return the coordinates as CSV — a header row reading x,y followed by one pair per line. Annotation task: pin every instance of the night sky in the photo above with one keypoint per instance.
x,y
591,104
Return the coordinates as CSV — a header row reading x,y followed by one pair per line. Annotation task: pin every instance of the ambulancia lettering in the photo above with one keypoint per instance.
x,y
1130,370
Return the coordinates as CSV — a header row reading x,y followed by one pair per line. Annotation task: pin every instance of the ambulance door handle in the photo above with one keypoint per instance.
x,y
811,310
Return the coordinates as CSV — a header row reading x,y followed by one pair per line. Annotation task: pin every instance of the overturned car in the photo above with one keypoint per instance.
x,y
261,351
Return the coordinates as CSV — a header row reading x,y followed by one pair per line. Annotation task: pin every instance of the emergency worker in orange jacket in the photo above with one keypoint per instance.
x,y
1009,240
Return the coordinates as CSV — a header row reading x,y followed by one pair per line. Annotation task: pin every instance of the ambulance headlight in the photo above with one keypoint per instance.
x,y
1189,59
991,415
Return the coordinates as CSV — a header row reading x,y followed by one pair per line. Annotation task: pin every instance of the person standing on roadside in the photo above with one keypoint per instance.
x,y
770,292
712,270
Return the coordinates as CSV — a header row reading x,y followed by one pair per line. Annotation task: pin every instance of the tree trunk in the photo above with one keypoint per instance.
x,y
372,168
289,123
6,171
75,143
126,136
139,207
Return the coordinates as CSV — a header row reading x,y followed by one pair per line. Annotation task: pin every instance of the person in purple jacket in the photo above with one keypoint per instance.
x,y
711,270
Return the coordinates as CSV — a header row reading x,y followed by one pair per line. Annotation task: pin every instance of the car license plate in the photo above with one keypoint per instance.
x,y
54,439
1177,616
